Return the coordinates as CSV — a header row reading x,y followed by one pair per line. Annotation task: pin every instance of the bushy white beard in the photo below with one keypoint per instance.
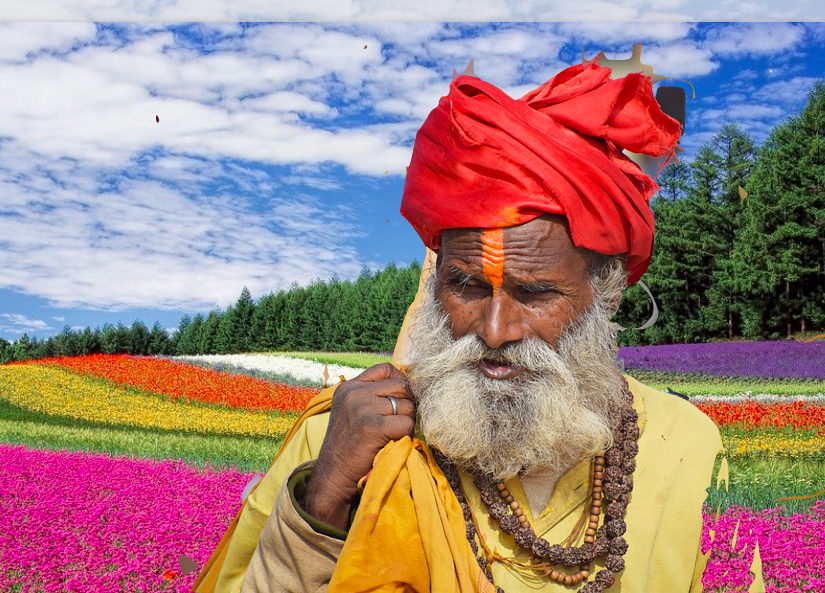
x,y
558,412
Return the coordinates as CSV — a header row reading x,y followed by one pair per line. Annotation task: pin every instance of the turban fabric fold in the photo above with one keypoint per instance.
x,y
485,160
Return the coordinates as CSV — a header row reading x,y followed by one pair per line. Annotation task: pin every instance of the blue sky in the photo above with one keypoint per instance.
x,y
280,151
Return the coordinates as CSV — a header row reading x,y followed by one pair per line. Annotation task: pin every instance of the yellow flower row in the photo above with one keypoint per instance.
x,y
773,445
60,393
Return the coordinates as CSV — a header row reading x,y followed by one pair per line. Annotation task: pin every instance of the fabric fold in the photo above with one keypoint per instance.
x,y
485,160
408,533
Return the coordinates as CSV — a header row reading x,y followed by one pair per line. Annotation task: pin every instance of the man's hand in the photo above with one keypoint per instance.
x,y
361,422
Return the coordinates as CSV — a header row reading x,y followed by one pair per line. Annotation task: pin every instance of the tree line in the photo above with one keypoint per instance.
x,y
723,267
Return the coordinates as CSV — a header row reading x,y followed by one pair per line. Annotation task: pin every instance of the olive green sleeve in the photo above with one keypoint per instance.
x,y
297,486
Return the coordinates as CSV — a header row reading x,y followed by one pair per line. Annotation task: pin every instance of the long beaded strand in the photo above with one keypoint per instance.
x,y
611,483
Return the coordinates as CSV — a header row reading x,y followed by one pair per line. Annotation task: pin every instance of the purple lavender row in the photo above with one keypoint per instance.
x,y
787,359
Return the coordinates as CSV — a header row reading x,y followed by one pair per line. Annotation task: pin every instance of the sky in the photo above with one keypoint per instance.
x,y
278,151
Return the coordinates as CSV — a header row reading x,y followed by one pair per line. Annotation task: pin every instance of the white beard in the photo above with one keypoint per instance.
x,y
562,409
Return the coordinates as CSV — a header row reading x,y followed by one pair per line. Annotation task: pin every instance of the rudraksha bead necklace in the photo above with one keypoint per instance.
x,y
610,486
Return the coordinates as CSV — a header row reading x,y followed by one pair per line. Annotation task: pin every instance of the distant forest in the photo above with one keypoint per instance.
x,y
723,267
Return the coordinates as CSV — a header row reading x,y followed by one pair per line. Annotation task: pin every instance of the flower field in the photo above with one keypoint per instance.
x,y
113,466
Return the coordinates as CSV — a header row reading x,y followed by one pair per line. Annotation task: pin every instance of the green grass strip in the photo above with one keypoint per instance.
x,y
244,453
712,385
756,483
361,360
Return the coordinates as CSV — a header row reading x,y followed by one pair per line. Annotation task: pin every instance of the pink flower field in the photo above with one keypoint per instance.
x,y
74,522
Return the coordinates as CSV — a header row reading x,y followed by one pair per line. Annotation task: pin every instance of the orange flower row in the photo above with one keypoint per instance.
x,y
798,414
188,382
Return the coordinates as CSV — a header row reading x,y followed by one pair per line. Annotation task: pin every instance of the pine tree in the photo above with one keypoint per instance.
x,y
224,340
736,160
243,312
183,345
139,339
209,334
159,343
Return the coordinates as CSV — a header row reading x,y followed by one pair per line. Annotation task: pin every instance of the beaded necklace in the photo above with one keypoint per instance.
x,y
610,485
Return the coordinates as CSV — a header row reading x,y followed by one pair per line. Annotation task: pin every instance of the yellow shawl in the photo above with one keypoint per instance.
x,y
408,534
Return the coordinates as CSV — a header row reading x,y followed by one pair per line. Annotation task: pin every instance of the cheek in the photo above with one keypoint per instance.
x,y
462,314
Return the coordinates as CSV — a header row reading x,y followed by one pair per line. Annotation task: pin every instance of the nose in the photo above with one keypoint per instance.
x,y
501,322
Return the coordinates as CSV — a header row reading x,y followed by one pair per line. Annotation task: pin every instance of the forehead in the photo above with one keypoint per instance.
x,y
540,249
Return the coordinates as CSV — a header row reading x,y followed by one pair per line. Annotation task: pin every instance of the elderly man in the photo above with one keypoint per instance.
x,y
511,453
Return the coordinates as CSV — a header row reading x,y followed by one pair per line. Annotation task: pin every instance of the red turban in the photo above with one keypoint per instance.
x,y
485,160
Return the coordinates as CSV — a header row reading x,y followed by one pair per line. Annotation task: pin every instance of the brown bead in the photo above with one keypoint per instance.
x,y
504,493
589,539
514,505
517,511
597,502
598,475
509,499
577,578
593,524
523,520
568,580
594,510
585,574
500,486
554,574
597,482
591,533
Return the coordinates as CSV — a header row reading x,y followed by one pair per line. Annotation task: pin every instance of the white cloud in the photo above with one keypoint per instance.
x,y
15,323
791,92
113,210
633,32
753,38
60,319
142,244
17,40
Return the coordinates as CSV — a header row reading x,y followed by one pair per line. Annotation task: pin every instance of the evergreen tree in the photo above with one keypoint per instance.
x,y
209,334
736,160
183,345
243,312
139,339
159,343
22,348
5,351
224,340
108,339
90,341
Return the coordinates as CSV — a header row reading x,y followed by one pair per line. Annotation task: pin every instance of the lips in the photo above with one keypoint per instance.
x,y
496,369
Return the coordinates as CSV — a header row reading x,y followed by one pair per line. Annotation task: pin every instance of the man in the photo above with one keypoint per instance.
x,y
476,466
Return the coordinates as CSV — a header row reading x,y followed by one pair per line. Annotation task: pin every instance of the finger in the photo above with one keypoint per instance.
x,y
397,427
405,407
394,387
385,370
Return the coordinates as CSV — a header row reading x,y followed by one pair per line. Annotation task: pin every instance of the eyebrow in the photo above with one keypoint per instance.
x,y
537,286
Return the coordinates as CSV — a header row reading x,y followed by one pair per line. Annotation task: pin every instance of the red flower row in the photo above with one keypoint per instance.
x,y
184,381
798,414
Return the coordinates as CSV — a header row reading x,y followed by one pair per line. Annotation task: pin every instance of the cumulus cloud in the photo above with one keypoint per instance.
x,y
754,38
15,323
262,128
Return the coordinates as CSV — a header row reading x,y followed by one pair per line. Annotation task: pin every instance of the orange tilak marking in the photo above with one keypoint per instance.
x,y
492,242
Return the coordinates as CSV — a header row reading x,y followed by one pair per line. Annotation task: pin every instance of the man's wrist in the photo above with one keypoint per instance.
x,y
297,487
329,509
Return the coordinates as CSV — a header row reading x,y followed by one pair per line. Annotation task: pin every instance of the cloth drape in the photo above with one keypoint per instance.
x,y
485,160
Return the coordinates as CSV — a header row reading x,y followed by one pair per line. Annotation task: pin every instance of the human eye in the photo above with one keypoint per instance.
x,y
538,289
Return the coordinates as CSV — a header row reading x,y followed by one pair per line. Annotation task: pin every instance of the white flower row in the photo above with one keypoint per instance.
x,y
298,368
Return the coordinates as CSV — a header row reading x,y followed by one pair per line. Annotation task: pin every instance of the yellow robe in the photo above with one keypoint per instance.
x,y
677,450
